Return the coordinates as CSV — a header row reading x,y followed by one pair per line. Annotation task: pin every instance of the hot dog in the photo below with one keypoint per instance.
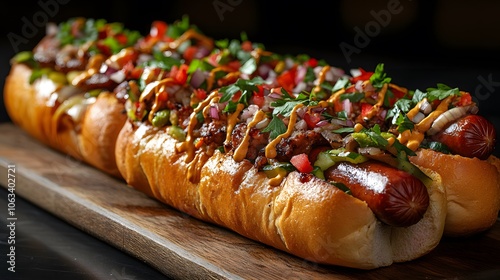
x,y
257,142
469,136
396,197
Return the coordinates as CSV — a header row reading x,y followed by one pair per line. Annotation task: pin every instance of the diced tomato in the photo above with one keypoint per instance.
x,y
235,65
121,38
258,100
260,92
312,62
246,46
302,163
397,95
350,89
200,93
365,75
338,106
312,119
365,109
189,53
214,59
465,99
179,74
158,29
162,96
236,96
287,79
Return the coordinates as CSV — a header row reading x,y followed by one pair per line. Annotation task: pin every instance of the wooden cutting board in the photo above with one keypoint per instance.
x,y
182,247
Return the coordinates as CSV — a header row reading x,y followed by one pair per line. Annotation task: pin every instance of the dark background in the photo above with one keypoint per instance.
x,y
421,42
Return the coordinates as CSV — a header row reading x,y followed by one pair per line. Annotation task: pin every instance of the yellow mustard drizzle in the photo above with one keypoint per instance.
x,y
241,151
276,180
321,78
270,150
188,144
232,119
413,138
118,60
380,102
93,67
155,88
336,95
194,166
188,35
258,53
211,75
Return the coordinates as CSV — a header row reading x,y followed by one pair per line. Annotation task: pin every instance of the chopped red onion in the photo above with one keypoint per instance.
x,y
197,78
214,112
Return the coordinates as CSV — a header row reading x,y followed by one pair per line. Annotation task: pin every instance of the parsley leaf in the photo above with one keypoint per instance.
x,y
379,77
245,87
276,127
285,105
353,97
441,92
340,84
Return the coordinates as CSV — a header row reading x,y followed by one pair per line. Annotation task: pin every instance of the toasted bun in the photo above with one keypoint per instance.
x,y
312,220
101,125
91,139
26,103
472,190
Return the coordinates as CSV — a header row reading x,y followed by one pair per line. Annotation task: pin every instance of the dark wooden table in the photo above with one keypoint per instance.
x,y
181,247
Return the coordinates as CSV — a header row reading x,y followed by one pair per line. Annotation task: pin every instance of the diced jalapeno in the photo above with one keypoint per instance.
x,y
328,158
161,118
275,170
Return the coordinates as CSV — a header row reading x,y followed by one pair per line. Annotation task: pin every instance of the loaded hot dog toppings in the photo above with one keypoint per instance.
x,y
282,113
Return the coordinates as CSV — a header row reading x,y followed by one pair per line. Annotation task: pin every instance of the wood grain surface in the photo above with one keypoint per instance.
x,y
182,247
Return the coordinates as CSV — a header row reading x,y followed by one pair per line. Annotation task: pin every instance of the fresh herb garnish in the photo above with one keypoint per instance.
x,y
243,87
379,77
275,127
441,92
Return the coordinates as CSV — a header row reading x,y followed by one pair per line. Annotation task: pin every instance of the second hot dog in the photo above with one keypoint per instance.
x,y
395,196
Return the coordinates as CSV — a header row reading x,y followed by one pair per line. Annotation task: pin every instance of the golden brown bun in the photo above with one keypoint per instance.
x,y
26,103
312,220
91,139
472,190
101,125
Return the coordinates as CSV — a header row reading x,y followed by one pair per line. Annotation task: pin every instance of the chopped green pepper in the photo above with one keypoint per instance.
x,y
328,158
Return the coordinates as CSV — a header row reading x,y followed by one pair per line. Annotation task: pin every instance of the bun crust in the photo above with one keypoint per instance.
x,y
91,139
472,190
312,219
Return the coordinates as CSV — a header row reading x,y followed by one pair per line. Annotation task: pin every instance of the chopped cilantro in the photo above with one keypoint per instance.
x,y
245,87
340,84
441,92
353,97
276,127
379,77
